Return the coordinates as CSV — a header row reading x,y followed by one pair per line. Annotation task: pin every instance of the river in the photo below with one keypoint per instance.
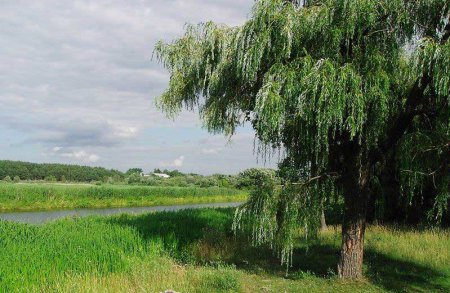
x,y
41,217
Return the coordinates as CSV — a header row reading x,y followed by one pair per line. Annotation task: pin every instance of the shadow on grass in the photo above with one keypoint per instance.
x,y
402,275
205,236
380,269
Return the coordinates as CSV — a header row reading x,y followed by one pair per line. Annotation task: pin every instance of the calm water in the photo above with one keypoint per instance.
x,y
46,216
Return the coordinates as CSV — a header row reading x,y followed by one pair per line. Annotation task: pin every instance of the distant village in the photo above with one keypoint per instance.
x,y
160,175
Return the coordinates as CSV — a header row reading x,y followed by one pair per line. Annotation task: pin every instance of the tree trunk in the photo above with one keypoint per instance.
x,y
355,188
352,251
323,222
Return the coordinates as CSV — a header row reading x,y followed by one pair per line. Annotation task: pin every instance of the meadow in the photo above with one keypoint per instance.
x,y
47,196
155,252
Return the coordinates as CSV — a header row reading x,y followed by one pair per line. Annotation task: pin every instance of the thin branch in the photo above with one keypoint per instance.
x,y
421,173
436,147
315,178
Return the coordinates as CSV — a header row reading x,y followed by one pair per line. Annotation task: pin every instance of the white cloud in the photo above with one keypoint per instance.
x,y
82,155
177,163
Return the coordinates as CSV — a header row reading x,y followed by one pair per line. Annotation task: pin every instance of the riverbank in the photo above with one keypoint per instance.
x,y
47,196
195,251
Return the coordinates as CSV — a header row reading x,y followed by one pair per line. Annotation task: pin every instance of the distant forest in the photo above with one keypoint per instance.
x,y
60,172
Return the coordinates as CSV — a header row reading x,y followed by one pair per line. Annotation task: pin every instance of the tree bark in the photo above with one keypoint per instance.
x,y
323,222
352,250
355,187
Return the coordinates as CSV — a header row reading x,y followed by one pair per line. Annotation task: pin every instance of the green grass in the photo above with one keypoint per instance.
x,y
40,196
195,251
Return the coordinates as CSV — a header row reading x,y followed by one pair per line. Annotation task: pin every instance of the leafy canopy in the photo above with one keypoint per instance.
x,y
332,66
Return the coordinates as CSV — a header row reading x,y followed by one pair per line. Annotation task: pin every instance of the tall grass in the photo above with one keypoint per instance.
x,y
32,255
195,251
44,258
50,196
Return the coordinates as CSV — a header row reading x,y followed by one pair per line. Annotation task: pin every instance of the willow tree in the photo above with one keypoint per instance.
x,y
336,85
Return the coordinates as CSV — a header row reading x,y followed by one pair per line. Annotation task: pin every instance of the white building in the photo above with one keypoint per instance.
x,y
161,175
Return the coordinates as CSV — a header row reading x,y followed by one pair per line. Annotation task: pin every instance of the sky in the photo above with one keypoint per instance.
x,y
78,84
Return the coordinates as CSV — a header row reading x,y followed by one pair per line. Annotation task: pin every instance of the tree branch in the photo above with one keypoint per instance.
x,y
446,35
404,120
315,178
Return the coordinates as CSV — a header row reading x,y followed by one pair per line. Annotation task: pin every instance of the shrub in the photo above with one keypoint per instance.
x,y
250,177
134,178
50,178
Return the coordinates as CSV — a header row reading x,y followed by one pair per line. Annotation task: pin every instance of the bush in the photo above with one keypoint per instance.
x,y
134,178
16,179
50,178
251,177
7,179
208,182
177,181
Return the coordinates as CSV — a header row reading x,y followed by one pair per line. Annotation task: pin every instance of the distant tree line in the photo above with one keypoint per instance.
x,y
15,171
180,179
55,172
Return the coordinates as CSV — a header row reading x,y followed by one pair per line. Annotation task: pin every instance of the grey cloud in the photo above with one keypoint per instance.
x,y
72,133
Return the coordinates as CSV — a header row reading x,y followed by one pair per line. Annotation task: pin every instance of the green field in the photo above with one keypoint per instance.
x,y
155,252
41,196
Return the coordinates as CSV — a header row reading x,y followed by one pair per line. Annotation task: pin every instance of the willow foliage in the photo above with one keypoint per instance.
x,y
303,75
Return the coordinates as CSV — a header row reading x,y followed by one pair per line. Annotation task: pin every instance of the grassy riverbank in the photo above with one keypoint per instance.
x,y
41,196
155,252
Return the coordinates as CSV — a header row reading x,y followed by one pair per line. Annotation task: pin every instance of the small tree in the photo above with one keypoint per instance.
x,y
7,179
134,178
134,171
16,179
340,87
110,180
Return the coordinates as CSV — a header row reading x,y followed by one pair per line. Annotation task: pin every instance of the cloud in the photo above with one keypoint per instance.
x,y
79,76
177,163
69,132
84,63
211,151
79,155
